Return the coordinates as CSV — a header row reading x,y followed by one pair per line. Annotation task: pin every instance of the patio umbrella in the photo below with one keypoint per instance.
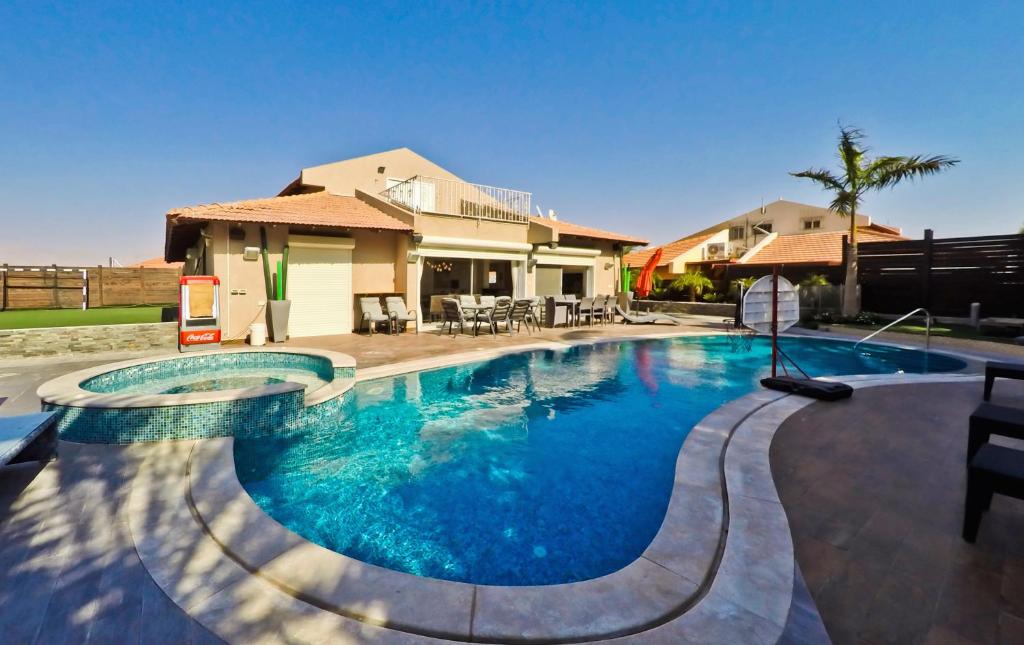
x,y
645,280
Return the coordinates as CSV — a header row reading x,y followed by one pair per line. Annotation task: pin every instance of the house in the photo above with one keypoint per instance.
x,y
387,223
782,232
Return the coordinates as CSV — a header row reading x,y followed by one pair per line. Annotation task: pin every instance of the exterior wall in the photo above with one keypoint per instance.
x,y
605,279
61,341
243,290
374,262
477,229
345,177
787,219
696,254
237,275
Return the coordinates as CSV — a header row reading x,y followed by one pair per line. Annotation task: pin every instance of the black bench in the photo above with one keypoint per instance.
x,y
997,369
993,469
989,419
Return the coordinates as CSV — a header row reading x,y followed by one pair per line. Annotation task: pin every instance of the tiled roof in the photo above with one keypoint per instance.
x,y
313,209
670,251
568,228
820,248
156,263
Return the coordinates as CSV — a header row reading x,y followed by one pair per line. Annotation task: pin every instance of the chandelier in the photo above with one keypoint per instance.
x,y
440,266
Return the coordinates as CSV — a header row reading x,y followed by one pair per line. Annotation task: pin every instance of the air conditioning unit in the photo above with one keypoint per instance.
x,y
715,251
738,251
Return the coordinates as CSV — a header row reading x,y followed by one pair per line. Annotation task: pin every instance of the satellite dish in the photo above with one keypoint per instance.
x,y
757,305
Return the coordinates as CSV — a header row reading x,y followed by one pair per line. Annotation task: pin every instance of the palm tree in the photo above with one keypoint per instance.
x,y
695,281
859,176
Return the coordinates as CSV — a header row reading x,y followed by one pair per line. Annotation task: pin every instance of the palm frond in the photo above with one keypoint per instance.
x,y
821,176
844,202
888,171
851,152
693,279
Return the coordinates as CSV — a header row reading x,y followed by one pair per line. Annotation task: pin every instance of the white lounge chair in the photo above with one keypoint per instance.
x,y
645,319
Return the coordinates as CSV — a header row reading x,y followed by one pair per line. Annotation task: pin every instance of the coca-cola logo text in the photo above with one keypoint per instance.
x,y
198,337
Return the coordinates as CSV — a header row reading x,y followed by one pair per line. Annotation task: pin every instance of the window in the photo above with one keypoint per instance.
x,y
737,232
812,224
761,228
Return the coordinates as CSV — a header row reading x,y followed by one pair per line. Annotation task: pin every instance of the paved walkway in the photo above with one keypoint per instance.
x,y
68,569
69,572
874,490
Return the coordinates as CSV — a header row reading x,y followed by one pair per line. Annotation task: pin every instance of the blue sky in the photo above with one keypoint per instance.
x,y
655,120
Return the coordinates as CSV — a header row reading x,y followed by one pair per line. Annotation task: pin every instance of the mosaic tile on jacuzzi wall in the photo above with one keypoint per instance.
x,y
128,376
240,417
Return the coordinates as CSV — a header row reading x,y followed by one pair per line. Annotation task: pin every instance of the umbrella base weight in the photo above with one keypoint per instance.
x,y
812,388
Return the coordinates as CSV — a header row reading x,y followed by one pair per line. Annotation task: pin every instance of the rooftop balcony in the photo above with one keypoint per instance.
x,y
438,196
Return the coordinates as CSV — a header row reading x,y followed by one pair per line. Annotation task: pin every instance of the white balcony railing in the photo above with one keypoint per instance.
x,y
448,197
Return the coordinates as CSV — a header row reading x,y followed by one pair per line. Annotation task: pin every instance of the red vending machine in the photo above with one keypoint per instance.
x,y
198,312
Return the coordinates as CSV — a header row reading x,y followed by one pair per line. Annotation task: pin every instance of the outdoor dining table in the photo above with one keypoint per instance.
x,y
476,310
572,313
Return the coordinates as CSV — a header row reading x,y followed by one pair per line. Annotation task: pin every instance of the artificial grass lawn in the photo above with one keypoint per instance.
x,y
26,318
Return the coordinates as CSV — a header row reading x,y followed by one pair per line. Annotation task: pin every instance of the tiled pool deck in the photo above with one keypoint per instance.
x,y
72,570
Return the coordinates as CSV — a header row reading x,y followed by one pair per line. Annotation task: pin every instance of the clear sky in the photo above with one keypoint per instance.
x,y
655,120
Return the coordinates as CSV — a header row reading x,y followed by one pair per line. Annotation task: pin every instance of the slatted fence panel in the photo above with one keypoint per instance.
x,y
55,287
945,276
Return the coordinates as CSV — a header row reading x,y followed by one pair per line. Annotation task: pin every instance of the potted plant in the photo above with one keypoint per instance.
x,y
278,305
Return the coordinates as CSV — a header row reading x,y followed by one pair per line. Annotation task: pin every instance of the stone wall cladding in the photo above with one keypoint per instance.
x,y
59,341
725,310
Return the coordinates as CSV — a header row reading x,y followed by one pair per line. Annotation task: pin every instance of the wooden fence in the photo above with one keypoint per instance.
x,y
61,287
944,276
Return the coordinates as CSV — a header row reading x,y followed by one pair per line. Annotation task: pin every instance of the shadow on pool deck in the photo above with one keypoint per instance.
x,y
69,571
874,489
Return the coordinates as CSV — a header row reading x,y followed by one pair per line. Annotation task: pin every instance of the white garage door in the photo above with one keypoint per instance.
x,y
320,285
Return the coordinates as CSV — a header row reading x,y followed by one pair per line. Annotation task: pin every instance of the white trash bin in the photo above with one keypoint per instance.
x,y
257,334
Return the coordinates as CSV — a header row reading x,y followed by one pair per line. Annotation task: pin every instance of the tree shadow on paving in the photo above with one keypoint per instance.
x,y
68,569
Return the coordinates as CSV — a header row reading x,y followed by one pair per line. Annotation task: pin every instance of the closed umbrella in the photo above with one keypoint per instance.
x,y
646,278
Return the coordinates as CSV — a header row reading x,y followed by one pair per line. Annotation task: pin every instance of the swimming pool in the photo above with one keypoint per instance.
x,y
531,469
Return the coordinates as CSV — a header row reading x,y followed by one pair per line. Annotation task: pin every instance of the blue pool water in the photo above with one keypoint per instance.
x,y
534,468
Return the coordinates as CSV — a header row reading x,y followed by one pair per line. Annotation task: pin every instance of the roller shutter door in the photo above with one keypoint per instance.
x,y
320,288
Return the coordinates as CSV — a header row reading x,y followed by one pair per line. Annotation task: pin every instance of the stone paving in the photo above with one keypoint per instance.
x,y
874,490
70,572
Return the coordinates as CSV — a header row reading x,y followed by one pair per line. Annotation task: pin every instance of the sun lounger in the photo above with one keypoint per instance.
x,y
373,314
996,369
29,437
645,319
400,314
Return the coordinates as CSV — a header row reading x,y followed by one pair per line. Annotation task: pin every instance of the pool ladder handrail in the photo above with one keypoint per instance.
x,y
927,328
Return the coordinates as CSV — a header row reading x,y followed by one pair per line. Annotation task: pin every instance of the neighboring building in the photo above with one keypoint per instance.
x,y
779,233
387,223
156,263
